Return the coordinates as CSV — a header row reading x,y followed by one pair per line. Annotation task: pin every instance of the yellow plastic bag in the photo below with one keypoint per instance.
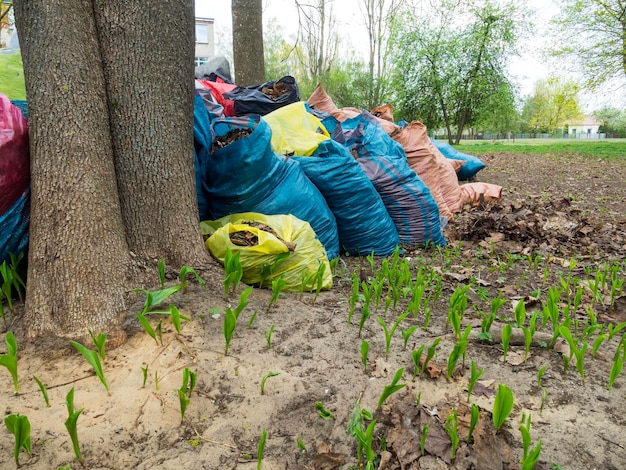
x,y
301,263
295,131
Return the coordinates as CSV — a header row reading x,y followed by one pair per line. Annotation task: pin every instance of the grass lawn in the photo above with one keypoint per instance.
x,y
604,148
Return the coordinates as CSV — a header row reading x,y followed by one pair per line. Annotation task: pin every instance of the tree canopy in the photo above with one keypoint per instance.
x,y
553,102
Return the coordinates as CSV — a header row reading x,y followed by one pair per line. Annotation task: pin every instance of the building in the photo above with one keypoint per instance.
x,y
586,128
205,43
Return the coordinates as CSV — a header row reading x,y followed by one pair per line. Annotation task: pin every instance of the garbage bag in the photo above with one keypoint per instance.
x,y
265,98
217,90
295,131
14,154
269,257
216,68
14,225
472,165
202,139
408,200
363,223
248,176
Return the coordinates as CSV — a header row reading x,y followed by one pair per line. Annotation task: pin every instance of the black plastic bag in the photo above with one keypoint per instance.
x,y
265,98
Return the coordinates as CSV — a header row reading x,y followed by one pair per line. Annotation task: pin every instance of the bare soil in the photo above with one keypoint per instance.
x,y
559,217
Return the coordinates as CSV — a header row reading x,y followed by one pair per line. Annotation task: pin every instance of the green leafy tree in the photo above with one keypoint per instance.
x,y
590,37
553,102
452,73
613,121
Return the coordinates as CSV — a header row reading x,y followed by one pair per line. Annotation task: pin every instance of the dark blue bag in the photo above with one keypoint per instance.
x,y
363,222
14,227
202,138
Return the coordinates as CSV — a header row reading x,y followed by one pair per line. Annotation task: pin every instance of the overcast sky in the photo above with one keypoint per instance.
x,y
526,70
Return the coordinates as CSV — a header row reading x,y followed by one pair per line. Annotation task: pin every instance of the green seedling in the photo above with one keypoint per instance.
x,y
19,426
406,334
154,298
418,398
597,343
175,316
319,280
455,355
365,347
161,272
184,392
430,353
159,331
323,412
506,338
93,359
365,314
268,337
156,380
544,396
389,332
458,305
614,330
277,286
143,321
416,356
260,449
252,318
423,439
9,360
366,438
451,429
618,363
99,342
530,461
474,414
475,374
354,297
7,284
144,371
268,270
502,406
44,391
575,351
299,442
18,283
233,271
182,277
70,423
232,316
540,373
520,313
370,260
265,377
392,388
524,428
356,426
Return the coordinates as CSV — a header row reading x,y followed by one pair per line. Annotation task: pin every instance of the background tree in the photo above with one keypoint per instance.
x,y
248,55
613,121
453,73
113,187
553,102
591,37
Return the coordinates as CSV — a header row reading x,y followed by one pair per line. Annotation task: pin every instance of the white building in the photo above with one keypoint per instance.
x,y
586,128
205,43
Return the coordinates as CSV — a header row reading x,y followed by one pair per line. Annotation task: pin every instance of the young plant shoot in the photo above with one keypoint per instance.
x,y
70,424
19,426
392,388
9,360
265,377
502,406
92,358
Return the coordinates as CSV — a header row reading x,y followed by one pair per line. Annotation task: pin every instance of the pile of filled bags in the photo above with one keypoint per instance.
x,y
338,180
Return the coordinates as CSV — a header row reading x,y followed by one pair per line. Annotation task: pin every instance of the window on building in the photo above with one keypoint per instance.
x,y
201,60
202,33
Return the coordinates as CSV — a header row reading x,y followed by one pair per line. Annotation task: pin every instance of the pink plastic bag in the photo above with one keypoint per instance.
x,y
14,156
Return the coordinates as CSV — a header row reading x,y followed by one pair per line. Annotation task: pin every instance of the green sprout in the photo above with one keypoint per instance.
x,y
161,272
182,276
475,374
323,412
618,363
19,426
416,356
93,359
260,449
299,442
502,406
268,269
231,317
520,313
365,347
474,413
524,428
406,334
70,423
532,458
185,391
265,377
392,388
458,305
233,271
356,428
147,326
154,298
430,353
9,360
268,337
277,286
451,429
423,439
99,342
252,318
540,373
389,332
144,371
506,338
319,277
44,391
575,350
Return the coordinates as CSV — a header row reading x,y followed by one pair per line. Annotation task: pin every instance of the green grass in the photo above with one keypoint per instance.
x,y
602,148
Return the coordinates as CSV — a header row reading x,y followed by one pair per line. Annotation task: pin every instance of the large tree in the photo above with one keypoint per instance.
x,y
451,72
110,99
553,102
247,16
591,37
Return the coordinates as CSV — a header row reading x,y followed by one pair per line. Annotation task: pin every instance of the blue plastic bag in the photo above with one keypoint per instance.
x,y
14,225
472,164
248,176
363,223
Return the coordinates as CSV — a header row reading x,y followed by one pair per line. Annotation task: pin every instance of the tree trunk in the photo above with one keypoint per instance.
x,y
111,120
78,256
248,42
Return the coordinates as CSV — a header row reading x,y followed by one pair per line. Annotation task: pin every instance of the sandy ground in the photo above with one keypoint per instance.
x,y
317,356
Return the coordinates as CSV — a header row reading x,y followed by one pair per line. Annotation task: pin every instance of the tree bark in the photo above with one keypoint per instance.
x,y
111,129
249,64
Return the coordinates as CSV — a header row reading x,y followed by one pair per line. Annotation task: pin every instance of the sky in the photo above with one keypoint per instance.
x,y
525,70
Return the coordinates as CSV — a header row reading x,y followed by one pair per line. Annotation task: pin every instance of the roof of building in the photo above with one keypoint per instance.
x,y
585,121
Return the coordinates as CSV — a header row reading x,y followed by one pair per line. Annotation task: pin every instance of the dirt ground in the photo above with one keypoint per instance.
x,y
559,218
